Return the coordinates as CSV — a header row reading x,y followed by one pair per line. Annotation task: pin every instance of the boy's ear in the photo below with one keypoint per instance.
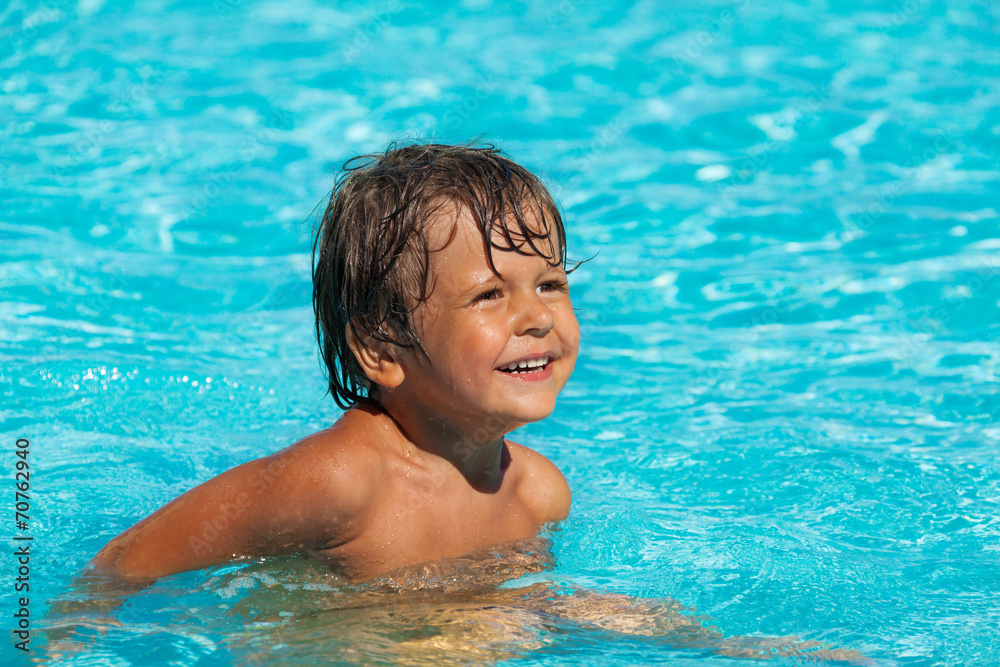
x,y
377,360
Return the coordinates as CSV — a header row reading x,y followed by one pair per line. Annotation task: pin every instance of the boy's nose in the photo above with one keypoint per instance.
x,y
536,317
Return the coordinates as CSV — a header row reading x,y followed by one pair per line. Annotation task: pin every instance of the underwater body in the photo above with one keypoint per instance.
x,y
784,417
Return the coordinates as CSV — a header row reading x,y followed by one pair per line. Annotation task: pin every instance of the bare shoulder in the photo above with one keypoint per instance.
x,y
541,484
342,464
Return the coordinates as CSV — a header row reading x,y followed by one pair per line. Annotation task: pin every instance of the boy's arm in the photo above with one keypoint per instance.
x,y
300,498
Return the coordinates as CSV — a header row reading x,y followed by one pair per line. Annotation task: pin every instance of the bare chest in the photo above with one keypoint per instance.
x,y
426,518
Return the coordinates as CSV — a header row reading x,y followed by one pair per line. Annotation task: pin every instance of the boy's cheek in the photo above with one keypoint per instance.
x,y
569,365
572,328
571,340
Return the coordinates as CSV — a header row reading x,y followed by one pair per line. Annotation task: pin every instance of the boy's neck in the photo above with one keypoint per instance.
x,y
479,454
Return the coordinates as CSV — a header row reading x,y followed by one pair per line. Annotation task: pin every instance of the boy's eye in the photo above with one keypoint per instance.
x,y
486,296
553,286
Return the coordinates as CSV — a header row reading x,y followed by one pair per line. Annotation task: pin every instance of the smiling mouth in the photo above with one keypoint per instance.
x,y
527,366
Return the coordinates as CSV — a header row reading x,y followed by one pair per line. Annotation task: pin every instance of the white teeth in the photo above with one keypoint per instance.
x,y
530,363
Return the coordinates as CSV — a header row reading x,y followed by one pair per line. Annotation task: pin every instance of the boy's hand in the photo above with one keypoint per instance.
x,y
764,648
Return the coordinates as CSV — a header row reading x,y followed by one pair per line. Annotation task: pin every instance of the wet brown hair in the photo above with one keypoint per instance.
x,y
371,256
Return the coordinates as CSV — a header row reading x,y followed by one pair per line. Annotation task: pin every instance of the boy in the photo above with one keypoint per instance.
x,y
444,319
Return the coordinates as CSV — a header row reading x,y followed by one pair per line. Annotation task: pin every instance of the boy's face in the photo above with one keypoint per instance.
x,y
475,326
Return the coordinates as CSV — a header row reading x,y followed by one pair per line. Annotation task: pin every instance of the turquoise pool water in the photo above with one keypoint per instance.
x,y
785,413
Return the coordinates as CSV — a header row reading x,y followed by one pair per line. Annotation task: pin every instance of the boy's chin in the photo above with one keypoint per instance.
x,y
529,415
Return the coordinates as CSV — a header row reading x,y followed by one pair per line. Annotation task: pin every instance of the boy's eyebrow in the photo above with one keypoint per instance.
x,y
479,280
